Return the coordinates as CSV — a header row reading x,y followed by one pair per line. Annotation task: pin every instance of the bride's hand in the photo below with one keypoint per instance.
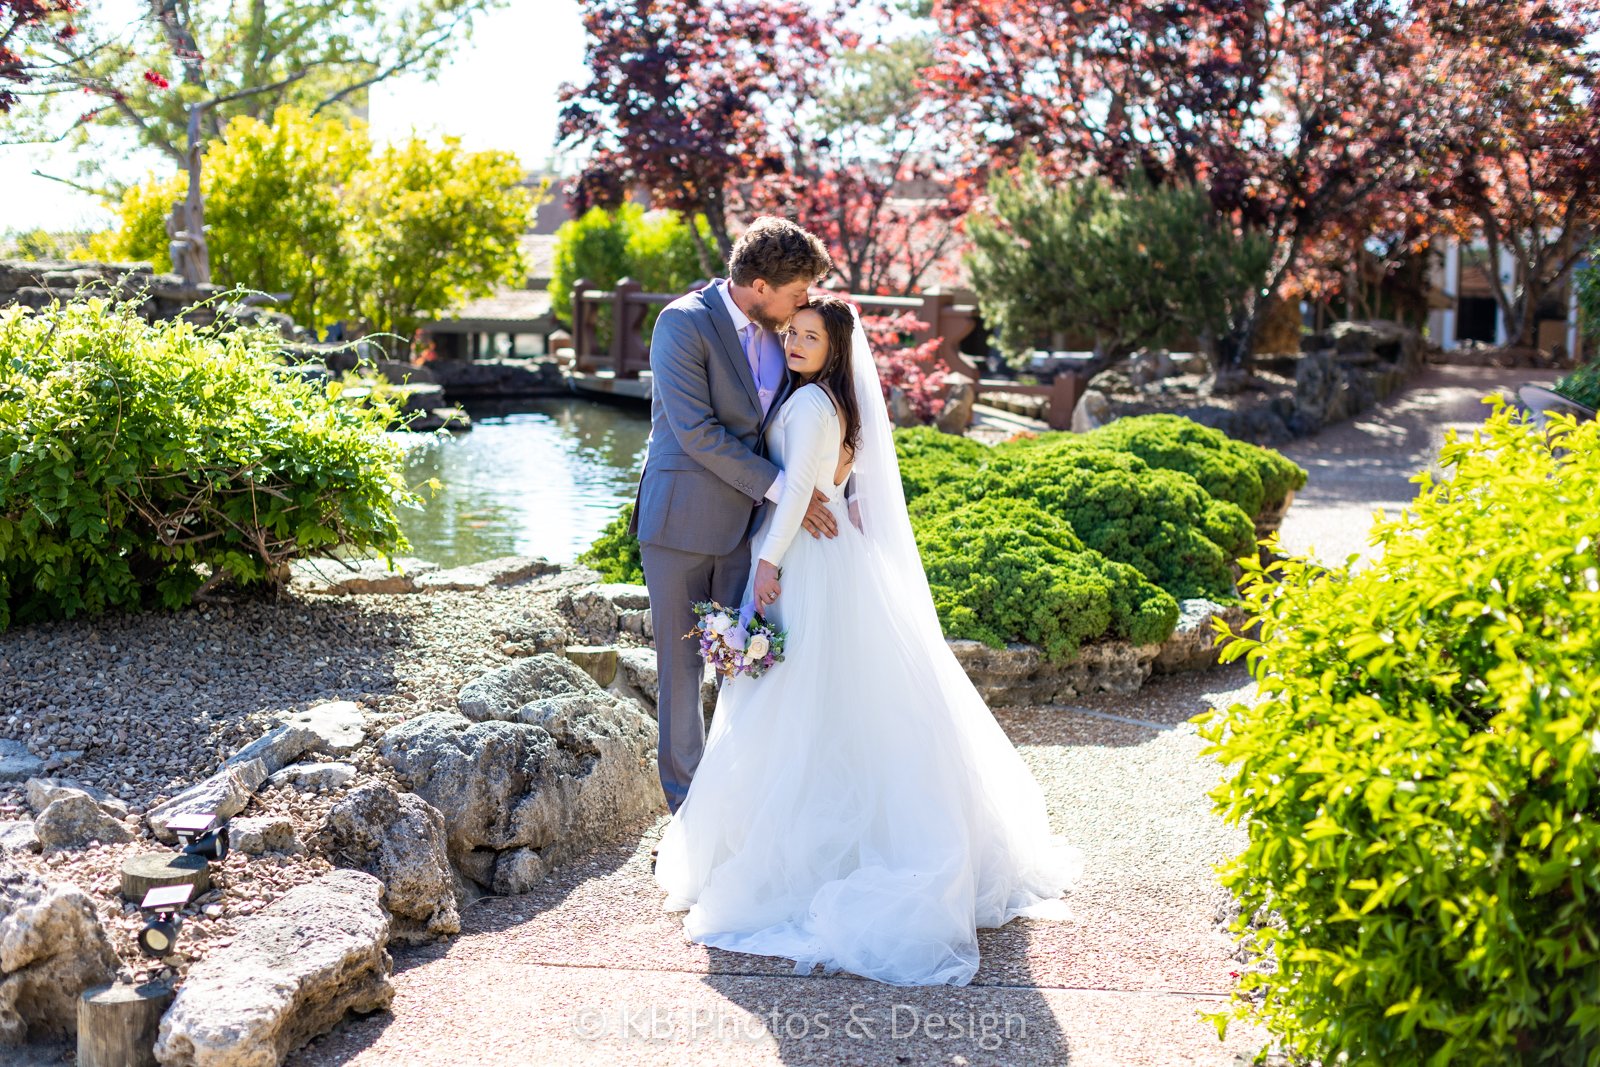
x,y
767,588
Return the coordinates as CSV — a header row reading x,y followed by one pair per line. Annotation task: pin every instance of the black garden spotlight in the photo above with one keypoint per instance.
x,y
160,930
198,837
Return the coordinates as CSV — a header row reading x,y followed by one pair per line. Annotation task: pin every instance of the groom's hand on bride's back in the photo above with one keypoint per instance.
x,y
819,520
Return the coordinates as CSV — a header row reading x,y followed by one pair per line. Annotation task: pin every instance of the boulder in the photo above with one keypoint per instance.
x,y
527,690
42,791
1192,646
595,612
532,631
901,413
956,415
1093,411
258,835
331,577
225,793
75,821
276,749
636,678
17,835
561,779
506,570
52,948
314,777
1019,674
292,972
17,764
399,838
1389,341
1319,393
338,727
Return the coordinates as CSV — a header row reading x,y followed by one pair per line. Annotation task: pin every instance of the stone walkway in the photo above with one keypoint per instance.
x,y
589,970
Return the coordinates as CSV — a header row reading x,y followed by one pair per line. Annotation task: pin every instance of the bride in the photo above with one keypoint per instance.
x,y
857,806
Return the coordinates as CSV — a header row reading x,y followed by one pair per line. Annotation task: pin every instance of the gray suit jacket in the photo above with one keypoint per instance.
x,y
706,469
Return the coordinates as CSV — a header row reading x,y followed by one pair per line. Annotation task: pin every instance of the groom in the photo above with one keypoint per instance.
x,y
719,375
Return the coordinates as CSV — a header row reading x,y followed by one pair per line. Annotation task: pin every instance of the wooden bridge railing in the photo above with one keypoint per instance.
x,y
625,308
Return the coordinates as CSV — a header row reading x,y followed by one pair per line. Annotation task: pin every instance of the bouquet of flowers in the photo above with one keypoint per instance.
x,y
736,643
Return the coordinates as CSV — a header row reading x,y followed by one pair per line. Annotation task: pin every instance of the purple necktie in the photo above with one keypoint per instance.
x,y
752,353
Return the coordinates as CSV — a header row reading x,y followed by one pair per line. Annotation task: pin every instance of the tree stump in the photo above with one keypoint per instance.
x,y
118,1024
147,870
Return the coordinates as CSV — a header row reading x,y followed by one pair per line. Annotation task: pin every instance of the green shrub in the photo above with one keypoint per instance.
x,y
1002,571
1158,521
136,454
1252,477
1582,385
615,553
1420,778
931,459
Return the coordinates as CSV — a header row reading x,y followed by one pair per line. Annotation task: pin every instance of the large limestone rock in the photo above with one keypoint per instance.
x,y
42,792
555,766
531,631
314,777
597,612
277,748
956,415
637,679
52,948
1192,646
332,577
1093,411
1019,674
262,834
338,726
17,764
225,793
75,821
400,838
18,835
506,570
294,970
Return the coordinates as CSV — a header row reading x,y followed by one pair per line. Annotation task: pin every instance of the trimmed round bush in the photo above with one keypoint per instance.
x,y
1250,476
1002,571
931,459
1160,522
142,462
1420,778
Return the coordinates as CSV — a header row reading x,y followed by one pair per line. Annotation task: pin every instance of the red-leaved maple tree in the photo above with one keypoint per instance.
x,y
18,20
1512,87
1289,113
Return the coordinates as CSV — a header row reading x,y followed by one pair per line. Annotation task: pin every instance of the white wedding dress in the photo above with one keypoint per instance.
x,y
857,806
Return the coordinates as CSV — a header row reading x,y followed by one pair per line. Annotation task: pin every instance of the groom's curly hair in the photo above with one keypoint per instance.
x,y
778,251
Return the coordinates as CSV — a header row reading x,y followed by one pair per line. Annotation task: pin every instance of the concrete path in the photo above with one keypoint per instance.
x,y
1366,463
590,970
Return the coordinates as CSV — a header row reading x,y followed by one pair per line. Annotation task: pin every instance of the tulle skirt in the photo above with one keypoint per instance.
x,y
858,807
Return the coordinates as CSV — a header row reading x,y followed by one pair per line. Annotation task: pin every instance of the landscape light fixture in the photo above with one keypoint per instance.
x,y
160,930
197,836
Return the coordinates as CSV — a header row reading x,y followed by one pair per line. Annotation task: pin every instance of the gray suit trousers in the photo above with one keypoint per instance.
x,y
677,581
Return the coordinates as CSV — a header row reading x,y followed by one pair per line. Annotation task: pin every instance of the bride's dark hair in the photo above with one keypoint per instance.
x,y
836,374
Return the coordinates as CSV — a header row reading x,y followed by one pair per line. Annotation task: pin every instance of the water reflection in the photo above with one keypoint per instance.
x,y
541,478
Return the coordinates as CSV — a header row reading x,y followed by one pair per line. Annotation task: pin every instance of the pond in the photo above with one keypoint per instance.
x,y
537,478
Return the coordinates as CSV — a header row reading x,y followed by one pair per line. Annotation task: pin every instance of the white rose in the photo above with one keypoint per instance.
x,y
757,649
719,623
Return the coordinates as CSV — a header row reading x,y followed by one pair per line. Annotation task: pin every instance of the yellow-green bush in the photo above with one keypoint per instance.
x,y
1420,779
134,455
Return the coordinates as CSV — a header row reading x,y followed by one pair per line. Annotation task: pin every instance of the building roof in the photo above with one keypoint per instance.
x,y
539,253
505,311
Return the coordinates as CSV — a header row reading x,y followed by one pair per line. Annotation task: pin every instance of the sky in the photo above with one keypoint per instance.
x,y
499,91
